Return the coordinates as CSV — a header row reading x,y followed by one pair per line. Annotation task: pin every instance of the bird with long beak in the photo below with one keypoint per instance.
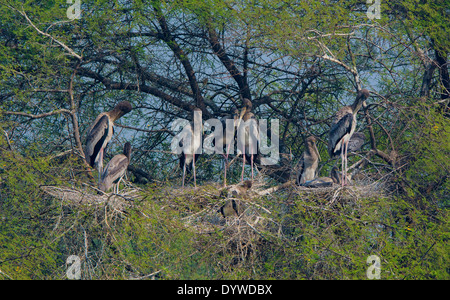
x,y
228,136
100,133
248,135
115,169
191,145
308,162
342,128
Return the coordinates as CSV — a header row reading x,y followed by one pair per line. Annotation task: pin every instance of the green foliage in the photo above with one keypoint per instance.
x,y
312,236
427,148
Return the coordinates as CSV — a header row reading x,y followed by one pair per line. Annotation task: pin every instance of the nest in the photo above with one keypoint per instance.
x,y
90,196
241,232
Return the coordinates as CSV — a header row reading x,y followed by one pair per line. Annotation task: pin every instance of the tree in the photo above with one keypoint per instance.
x,y
298,62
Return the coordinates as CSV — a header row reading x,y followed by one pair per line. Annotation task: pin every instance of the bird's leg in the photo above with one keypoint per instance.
x,y
346,153
342,167
102,151
184,170
100,165
243,164
226,164
251,163
193,167
225,170
118,184
99,175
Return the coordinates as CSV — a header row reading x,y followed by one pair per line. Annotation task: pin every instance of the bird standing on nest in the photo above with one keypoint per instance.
x,y
342,129
191,145
100,133
115,169
308,162
232,207
248,135
228,136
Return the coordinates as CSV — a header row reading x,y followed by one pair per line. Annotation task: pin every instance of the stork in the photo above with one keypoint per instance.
x,y
356,141
191,145
308,162
227,137
324,181
233,207
336,175
248,135
342,129
100,133
115,169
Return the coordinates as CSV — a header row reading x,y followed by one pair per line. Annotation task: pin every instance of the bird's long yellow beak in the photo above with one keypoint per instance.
x,y
318,153
241,115
243,111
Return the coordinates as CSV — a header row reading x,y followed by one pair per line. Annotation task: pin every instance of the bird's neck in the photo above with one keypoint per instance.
x,y
312,150
115,114
127,153
356,106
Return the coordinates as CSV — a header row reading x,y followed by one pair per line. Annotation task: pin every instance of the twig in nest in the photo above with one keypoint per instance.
x,y
145,276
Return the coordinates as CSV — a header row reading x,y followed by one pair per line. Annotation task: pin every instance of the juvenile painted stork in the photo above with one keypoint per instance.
x,y
233,207
100,133
191,145
228,137
342,129
248,135
229,209
115,169
334,174
325,181
356,141
308,162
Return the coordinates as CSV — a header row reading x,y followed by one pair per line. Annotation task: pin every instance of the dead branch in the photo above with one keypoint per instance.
x,y
71,52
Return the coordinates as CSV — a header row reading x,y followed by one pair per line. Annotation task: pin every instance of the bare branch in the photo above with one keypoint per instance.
x,y
71,52
39,116
228,63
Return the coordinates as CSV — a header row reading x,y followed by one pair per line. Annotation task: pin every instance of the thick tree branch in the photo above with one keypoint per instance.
x,y
441,59
181,55
113,85
228,63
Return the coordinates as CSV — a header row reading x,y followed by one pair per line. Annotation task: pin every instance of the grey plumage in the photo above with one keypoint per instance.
x,y
100,133
97,138
248,139
319,182
115,168
325,181
356,141
309,162
342,128
233,207
229,209
191,143
344,124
